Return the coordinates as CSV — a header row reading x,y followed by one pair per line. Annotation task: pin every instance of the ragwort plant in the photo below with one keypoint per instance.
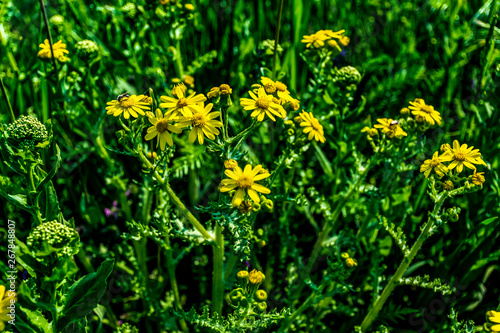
x,y
280,207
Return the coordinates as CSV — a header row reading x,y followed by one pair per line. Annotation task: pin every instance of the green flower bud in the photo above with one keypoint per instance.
x,y
261,307
242,277
454,217
260,295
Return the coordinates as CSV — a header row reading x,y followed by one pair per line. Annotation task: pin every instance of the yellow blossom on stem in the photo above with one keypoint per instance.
x,y
128,105
494,321
203,123
427,112
162,124
244,181
181,104
461,155
59,50
261,105
316,40
390,128
312,126
435,163
477,178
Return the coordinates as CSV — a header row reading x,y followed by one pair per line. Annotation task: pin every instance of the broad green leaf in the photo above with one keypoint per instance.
x,y
28,321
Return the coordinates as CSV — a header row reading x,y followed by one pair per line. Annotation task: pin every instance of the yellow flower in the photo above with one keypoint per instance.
x,y
225,89
317,40
445,147
419,108
262,105
214,92
448,185
256,277
189,7
184,105
128,105
268,84
204,124
189,80
312,126
244,181
4,303
245,207
477,178
494,318
230,164
161,127
59,50
180,86
435,163
390,128
462,155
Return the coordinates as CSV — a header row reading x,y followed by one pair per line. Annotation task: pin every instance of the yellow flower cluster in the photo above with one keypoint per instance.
x,y
424,112
59,51
458,156
270,98
334,40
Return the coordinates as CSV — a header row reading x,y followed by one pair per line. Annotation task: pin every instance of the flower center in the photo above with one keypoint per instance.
x,y
459,156
182,102
280,86
435,162
161,125
245,182
426,108
262,102
199,120
316,125
126,102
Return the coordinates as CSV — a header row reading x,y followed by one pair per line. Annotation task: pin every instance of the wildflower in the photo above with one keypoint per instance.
x,y
390,128
164,2
462,155
445,147
161,127
261,306
268,84
189,7
405,111
128,105
260,295
344,255
204,124
256,277
230,164
494,321
27,131
262,105
312,126
317,40
435,163
86,47
189,80
242,277
152,155
351,263
448,185
180,86
419,108
214,92
478,178
245,207
372,132
59,50
347,75
268,47
184,105
244,181
57,20
225,89
4,303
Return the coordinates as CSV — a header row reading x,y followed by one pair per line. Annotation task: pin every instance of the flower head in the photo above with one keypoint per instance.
x,y
316,40
4,303
181,104
461,155
27,131
214,92
390,128
427,112
59,50
312,126
244,181
494,321
478,178
230,164
225,89
203,123
162,126
435,163
261,105
189,80
256,277
128,105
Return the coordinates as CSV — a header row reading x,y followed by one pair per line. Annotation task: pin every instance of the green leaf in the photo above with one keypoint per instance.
x,y
52,210
28,321
52,172
84,295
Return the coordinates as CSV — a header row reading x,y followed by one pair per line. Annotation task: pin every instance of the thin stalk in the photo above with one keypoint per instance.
x,y
179,68
47,27
6,97
276,38
217,281
372,314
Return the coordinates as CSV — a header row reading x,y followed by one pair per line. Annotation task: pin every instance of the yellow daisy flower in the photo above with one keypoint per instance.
x,y
317,40
161,127
4,303
477,178
494,324
184,105
268,84
462,155
244,182
214,92
419,108
204,124
262,105
390,128
434,164
128,105
59,50
312,126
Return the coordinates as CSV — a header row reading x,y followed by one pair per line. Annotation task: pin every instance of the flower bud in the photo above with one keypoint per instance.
x,y
256,277
242,277
260,295
344,255
261,307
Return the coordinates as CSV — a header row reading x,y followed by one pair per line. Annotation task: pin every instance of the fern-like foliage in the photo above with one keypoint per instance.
x,y
425,282
397,234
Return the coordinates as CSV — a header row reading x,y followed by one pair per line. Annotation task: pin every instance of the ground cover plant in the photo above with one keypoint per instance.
x,y
249,166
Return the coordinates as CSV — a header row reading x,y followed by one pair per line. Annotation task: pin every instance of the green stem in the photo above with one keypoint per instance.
x,y
6,97
47,27
372,314
177,202
296,313
276,38
217,282
242,136
179,68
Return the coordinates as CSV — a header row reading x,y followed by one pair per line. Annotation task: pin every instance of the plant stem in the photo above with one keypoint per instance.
x,y
276,38
372,314
296,313
47,27
217,282
179,68
6,97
